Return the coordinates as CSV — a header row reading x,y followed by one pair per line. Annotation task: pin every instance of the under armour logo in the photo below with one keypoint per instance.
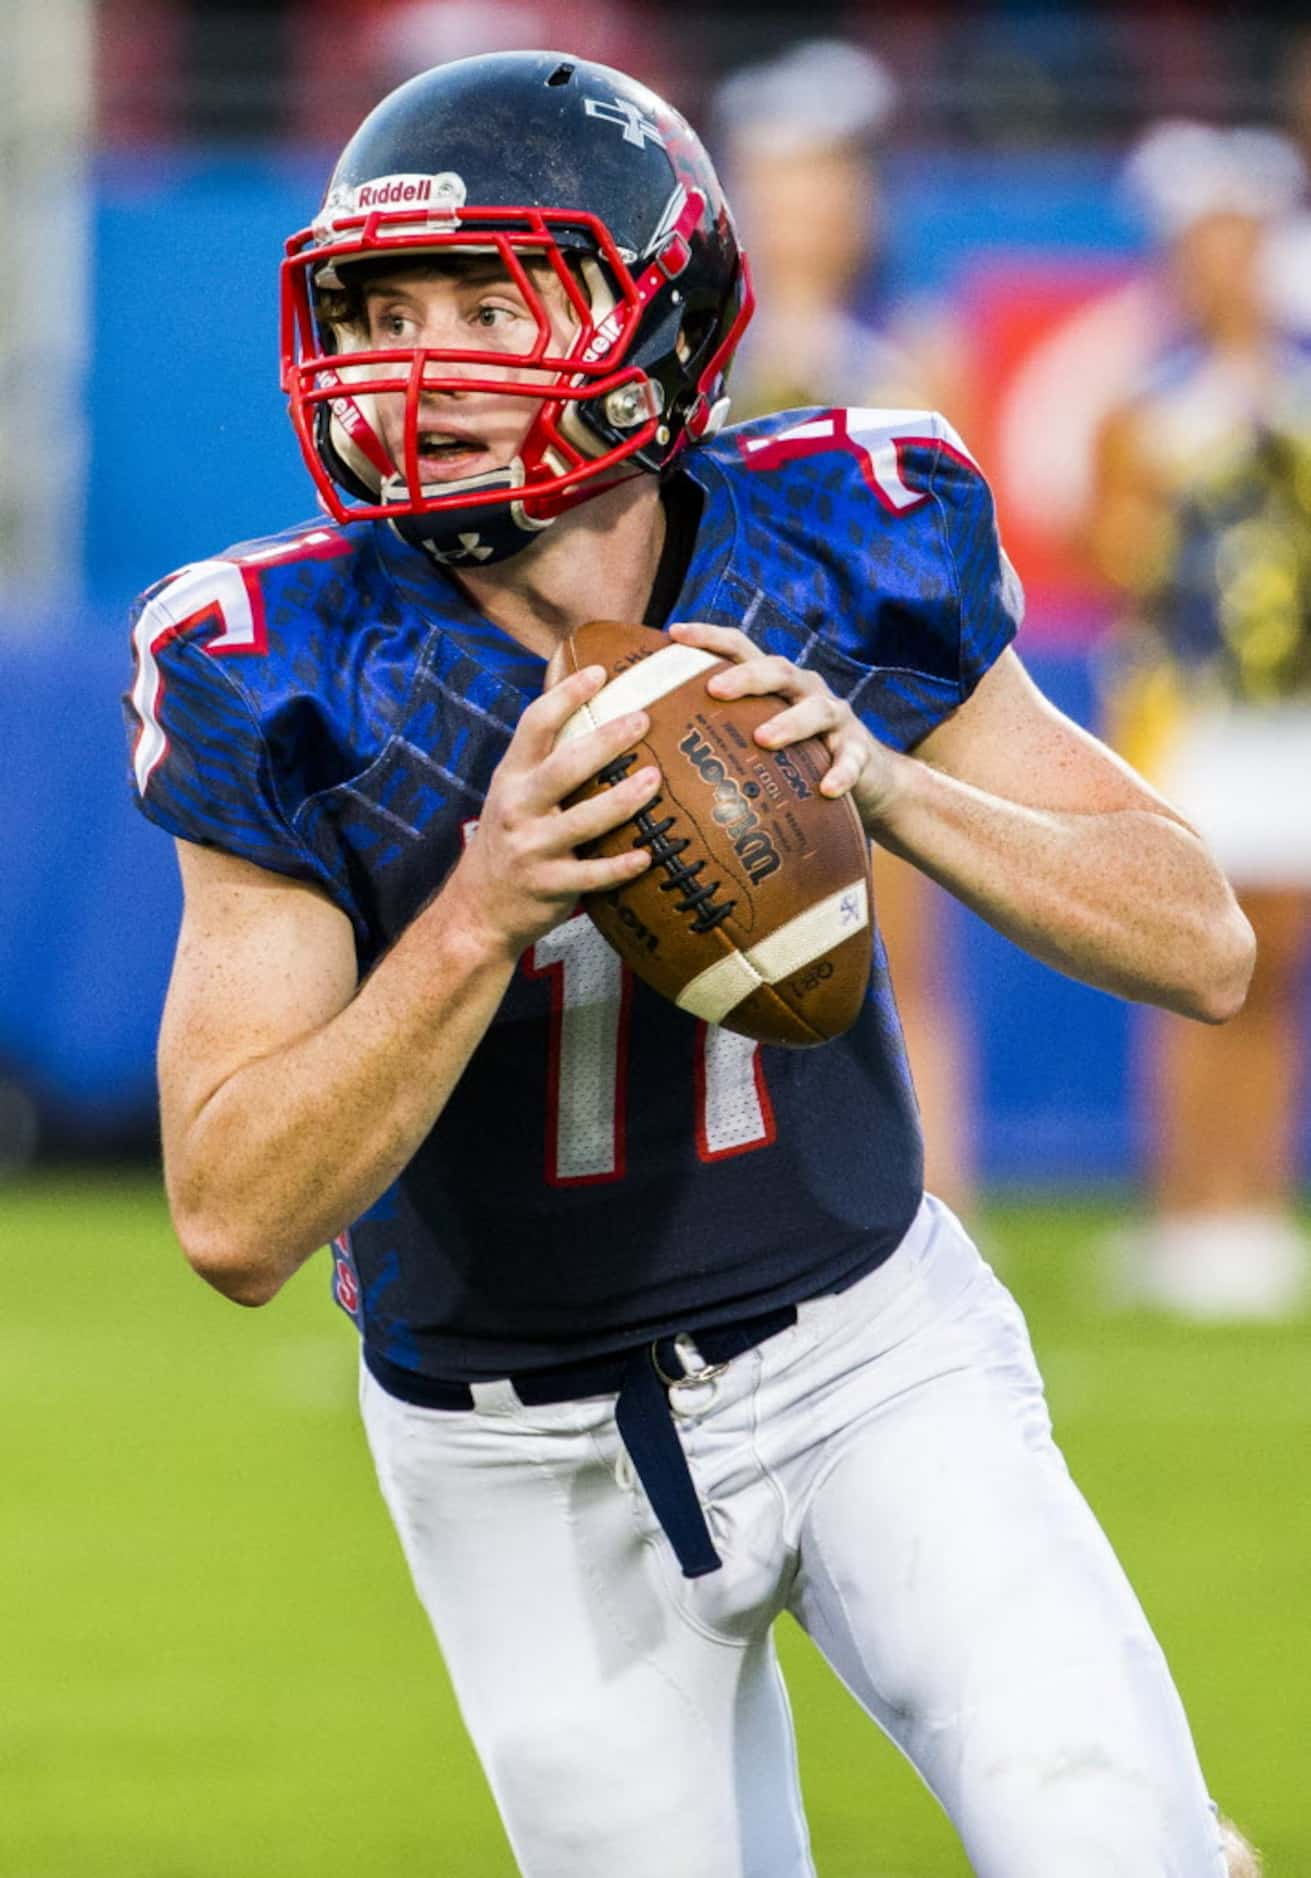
x,y
622,111
850,909
470,549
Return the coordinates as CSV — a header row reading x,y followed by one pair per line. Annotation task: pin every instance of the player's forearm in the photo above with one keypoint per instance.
x,y
292,1147
1128,900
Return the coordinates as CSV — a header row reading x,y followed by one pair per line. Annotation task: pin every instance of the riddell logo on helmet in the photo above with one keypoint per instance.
x,y
391,190
443,193
436,200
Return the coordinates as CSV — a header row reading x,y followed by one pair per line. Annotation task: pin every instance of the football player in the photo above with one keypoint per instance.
x,y
661,1335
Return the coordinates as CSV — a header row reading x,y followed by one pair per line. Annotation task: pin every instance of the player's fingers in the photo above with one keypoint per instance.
x,y
815,715
546,716
593,875
761,674
727,641
850,755
571,763
611,807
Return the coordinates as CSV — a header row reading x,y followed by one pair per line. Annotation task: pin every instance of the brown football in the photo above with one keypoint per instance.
x,y
756,911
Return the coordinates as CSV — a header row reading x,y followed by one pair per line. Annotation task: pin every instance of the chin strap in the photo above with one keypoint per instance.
x,y
469,547
470,534
480,534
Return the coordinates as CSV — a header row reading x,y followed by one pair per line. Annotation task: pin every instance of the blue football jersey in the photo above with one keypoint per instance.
x,y
328,704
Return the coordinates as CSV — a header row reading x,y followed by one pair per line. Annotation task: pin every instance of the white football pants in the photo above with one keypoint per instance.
x,y
885,1471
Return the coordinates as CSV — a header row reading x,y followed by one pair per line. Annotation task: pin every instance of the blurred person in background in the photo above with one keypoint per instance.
x,y
1286,250
1201,517
801,135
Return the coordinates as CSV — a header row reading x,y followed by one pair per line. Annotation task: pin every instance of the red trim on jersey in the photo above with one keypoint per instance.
x,y
554,973
774,452
704,1151
319,544
157,644
223,646
345,1278
943,448
175,630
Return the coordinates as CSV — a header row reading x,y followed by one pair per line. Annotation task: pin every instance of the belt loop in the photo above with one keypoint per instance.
x,y
693,1366
494,1398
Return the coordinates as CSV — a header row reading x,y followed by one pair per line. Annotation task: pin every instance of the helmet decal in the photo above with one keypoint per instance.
x,y
629,118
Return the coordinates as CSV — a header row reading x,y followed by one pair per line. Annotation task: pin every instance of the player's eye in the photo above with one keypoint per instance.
x,y
394,325
492,313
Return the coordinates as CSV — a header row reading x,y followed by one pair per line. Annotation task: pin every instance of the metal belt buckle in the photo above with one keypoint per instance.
x,y
706,1373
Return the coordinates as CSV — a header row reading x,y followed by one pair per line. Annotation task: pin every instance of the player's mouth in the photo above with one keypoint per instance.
x,y
445,456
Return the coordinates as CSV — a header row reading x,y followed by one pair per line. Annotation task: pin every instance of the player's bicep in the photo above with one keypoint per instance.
x,y
1011,741
261,960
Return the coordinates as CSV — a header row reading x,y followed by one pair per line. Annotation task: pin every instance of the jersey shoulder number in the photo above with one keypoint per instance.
x,y
217,603
879,441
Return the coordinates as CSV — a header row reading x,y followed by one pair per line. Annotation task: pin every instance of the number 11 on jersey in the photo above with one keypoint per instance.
x,y
591,992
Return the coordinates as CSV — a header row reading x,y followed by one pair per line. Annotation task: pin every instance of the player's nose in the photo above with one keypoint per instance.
x,y
452,363
442,378
438,396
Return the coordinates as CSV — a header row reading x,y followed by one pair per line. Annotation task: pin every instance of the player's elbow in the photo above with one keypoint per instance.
x,y
240,1284
1223,969
240,1279
241,1272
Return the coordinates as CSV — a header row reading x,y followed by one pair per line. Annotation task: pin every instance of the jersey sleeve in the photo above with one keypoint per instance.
x,y
937,601
200,763
886,574
985,606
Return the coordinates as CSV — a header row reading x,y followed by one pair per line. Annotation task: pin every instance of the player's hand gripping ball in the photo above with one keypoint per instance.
x,y
755,912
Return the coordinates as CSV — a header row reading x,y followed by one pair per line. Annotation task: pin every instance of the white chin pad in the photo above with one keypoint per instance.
x,y
509,476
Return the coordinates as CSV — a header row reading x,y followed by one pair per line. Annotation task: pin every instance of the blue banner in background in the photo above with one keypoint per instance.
x,y
191,447
91,903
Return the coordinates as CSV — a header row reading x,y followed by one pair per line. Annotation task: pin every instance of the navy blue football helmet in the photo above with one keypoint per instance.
x,y
539,161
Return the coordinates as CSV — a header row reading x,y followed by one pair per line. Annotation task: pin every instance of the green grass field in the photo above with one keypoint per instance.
x,y
213,1665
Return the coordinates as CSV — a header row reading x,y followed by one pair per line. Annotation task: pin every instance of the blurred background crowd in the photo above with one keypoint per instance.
x,y
1084,233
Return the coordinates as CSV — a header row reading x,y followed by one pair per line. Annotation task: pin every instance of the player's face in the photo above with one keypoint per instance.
x,y
475,308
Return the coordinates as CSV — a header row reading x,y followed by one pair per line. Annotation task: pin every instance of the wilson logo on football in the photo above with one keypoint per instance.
x,y
732,811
